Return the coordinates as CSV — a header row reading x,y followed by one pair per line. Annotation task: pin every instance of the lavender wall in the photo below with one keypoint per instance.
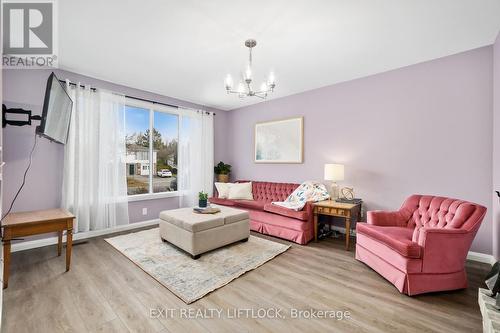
x,y
425,128
25,88
496,147
421,129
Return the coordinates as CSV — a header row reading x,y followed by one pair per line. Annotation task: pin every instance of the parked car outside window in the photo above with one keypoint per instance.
x,y
164,173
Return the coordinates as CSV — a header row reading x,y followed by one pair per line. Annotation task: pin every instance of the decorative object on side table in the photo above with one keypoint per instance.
x,y
346,211
347,193
334,173
351,201
222,171
347,196
202,199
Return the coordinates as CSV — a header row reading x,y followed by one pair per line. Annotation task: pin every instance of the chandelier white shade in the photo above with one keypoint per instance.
x,y
244,87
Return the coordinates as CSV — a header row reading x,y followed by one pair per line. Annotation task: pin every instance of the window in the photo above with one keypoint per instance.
x,y
151,159
137,144
166,133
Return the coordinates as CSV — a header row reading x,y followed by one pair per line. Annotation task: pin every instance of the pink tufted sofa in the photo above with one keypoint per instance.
x,y
422,247
273,220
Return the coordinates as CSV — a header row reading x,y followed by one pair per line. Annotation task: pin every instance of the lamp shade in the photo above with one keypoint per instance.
x,y
334,172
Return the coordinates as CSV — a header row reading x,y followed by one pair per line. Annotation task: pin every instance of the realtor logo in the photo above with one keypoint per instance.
x,y
28,34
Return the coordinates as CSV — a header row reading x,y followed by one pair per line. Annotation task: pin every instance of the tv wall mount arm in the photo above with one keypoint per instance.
x,y
17,111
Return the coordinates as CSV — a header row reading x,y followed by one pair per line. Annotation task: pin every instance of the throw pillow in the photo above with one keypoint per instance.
x,y
223,189
240,191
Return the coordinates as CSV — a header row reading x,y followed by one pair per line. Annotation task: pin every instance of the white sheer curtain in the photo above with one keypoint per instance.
x,y
94,180
196,155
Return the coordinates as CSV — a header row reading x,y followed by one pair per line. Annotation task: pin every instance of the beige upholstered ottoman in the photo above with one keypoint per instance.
x,y
199,233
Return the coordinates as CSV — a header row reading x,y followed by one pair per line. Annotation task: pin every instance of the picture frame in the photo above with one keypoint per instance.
x,y
279,141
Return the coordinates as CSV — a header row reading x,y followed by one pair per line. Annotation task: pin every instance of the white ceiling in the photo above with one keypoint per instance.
x,y
184,49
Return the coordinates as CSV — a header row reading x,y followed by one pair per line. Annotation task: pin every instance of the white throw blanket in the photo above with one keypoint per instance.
x,y
307,191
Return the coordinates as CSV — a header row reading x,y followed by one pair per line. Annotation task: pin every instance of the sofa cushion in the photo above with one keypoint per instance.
x,y
299,215
249,204
240,191
397,238
222,189
220,201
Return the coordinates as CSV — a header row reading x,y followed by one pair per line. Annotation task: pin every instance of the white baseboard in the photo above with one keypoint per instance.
x,y
80,235
481,257
475,256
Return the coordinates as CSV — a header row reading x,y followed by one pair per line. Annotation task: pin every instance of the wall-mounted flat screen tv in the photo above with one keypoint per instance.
x,y
56,114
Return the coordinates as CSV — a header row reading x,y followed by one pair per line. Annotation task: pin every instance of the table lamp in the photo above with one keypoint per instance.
x,y
334,173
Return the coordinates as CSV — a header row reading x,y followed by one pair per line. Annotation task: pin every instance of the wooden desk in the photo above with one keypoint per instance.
x,y
24,224
332,208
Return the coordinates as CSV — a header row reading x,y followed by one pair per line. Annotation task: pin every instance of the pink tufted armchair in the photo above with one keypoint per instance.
x,y
422,247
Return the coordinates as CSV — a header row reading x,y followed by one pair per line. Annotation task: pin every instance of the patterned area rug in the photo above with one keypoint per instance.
x,y
192,279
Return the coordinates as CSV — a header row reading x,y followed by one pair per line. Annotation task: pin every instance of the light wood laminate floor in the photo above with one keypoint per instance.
x,y
105,292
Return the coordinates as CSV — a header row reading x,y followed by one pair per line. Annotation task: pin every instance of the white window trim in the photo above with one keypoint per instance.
x,y
152,107
152,196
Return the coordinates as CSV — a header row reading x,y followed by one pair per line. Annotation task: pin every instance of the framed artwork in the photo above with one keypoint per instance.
x,y
279,141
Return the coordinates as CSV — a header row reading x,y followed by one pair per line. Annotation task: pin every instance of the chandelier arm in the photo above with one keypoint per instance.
x,y
263,91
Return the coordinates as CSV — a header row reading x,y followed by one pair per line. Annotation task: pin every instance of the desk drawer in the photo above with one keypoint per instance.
x,y
331,211
30,229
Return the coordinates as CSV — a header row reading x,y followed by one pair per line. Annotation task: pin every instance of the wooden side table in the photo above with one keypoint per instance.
x,y
24,224
332,208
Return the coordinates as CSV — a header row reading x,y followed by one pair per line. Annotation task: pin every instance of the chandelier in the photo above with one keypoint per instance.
x,y
245,86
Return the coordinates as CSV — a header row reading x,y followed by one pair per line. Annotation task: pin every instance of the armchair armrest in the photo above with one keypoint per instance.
x,y
386,219
444,250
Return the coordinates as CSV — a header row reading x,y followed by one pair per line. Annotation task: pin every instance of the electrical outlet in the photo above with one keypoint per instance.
x,y
144,211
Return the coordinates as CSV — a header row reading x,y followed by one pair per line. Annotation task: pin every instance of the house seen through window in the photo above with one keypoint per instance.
x,y
151,142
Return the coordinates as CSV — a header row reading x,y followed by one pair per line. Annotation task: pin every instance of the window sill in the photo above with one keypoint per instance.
x,y
152,196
